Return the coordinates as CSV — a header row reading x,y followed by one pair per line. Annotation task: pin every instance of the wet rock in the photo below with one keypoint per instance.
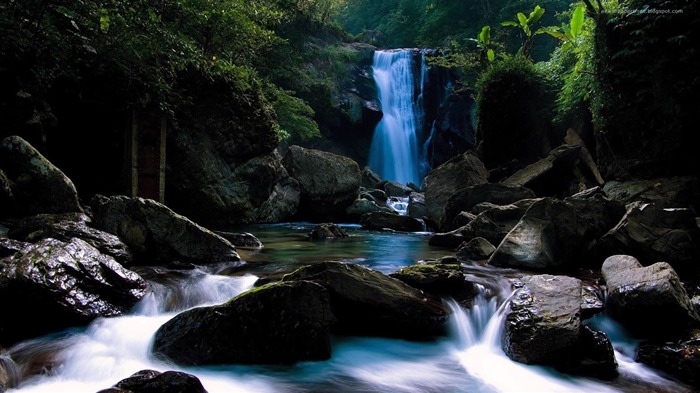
x,y
462,171
67,226
465,199
437,279
150,381
9,247
592,301
638,294
672,192
679,358
282,322
378,196
67,283
369,179
392,221
476,249
463,219
329,183
450,239
363,206
557,234
495,223
543,326
327,231
369,303
156,234
395,189
416,205
244,239
7,200
650,234
37,186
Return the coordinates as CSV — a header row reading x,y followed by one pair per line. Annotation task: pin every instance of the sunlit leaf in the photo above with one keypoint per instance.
x,y
490,55
535,15
577,21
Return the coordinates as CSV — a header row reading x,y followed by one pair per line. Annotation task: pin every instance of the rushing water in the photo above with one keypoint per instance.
x,y
394,153
470,359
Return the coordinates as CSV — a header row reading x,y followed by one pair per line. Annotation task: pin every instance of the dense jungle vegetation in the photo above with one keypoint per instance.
x,y
622,69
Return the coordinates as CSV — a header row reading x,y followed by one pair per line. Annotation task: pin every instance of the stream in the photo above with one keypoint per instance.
x,y
469,359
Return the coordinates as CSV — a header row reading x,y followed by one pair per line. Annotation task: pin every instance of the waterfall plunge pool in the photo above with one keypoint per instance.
x,y
468,360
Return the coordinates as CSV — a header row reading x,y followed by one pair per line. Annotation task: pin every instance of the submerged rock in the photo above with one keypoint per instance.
x,y
156,234
67,284
327,231
282,322
151,381
369,303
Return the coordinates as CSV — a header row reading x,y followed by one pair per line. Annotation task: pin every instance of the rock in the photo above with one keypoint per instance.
x,y
150,381
416,205
495,224
369,303
546,176
7,200
37,185
557,234
282,322
650,234
476,249
327,231
592,301
450,239
363,206
67,226
329,183
378,196
369,179
382,220
244,239
209,184
543,326
543,321
395,189
463,219
671,192
9,247
679,358
156,234
462,171
67,283
639,294
465,199
437,279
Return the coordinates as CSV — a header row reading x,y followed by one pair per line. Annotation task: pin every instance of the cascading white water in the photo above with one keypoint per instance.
x,y
394,153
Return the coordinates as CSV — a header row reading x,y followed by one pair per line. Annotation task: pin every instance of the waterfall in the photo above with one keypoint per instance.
x,y
394,153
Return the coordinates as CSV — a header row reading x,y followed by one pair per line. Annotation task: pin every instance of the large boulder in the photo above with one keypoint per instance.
x,y
393,221
67,284
416,205
151,381
651,233
37,186
671,192
241,239
66,226
467,198
209,185
156,234
476,249
282,322
547,176
543,326
329,183
367,302
462,171
363,206
558,234
639,295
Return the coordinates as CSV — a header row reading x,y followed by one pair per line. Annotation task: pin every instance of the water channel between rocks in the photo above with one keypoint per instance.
x,y
469,359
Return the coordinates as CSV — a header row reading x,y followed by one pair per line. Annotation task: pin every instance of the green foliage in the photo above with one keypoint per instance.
x,y
526,25
294,116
